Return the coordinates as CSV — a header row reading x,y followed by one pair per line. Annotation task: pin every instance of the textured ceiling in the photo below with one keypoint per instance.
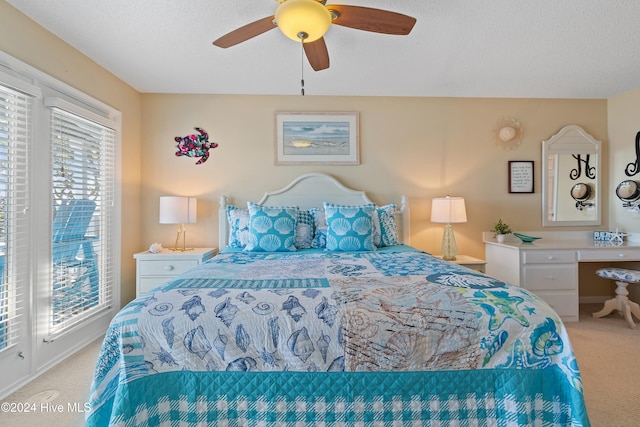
x,y
459,48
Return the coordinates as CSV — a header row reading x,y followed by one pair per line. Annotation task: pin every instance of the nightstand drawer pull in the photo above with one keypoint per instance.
x,y
169,267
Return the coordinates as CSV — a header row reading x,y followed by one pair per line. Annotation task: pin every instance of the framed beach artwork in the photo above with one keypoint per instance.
x,y
317,138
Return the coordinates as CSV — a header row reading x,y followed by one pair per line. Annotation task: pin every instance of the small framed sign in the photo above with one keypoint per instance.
x,y
521,176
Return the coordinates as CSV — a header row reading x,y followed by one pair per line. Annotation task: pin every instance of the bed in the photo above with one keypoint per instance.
x,y
348,325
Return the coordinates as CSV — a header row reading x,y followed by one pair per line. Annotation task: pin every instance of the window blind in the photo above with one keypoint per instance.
x,y
14,197
83,180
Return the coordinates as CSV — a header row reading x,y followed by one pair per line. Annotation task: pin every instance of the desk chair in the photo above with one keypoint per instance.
x,y
621,302
75,272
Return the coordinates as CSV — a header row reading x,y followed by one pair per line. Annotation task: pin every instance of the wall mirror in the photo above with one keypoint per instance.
x,y
571,178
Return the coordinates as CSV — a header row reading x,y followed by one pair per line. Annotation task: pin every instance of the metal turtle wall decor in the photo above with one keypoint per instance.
x,y
195,145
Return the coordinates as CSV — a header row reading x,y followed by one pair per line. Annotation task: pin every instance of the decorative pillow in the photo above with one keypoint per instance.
x,y
271,228
239,223
304,230
320,226
388,227
349,228
375,232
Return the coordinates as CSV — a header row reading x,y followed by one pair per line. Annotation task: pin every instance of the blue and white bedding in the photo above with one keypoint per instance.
x,y
387,337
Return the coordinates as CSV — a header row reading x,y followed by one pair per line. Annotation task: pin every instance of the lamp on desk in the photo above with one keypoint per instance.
x,y
181,211
448,210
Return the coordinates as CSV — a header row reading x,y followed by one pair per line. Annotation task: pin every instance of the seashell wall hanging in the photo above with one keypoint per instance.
x,y
507,133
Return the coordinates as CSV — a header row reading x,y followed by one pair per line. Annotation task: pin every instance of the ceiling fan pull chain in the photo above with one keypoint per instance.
x,y
302,67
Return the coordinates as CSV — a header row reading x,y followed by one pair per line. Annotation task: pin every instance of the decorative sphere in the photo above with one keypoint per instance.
x,y
507,133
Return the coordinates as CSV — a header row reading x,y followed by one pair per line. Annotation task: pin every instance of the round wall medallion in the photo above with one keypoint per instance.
x,y
507,133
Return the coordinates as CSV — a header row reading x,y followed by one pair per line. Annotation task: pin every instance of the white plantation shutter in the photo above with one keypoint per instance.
x,y
15,143
83,184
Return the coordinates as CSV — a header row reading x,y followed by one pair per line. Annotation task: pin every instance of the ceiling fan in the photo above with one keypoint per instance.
x,y
307,21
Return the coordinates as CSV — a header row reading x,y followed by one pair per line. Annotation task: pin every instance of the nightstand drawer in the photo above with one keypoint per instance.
x,y
145,284
468,261
166,267
154,269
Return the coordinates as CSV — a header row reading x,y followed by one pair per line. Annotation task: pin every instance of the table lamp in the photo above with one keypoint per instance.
x,y
448,210
181,211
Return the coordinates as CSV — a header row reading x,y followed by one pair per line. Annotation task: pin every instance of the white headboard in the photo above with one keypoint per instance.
x,y
309,191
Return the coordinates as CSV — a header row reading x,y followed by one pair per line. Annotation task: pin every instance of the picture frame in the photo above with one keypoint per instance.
x,y
521,176
317,138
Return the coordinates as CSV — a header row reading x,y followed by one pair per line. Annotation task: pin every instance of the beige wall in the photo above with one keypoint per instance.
x,y
623,112
25,40
421,147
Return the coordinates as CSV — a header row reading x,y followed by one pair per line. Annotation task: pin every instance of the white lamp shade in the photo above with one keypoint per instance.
x,y
448,210
178,210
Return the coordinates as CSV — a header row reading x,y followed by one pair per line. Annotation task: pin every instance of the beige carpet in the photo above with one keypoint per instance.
x,y
58,395
608,353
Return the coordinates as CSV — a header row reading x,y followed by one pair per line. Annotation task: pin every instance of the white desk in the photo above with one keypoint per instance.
x,y
549,266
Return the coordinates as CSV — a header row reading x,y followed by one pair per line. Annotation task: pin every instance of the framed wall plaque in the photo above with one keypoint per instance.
x,y
521,176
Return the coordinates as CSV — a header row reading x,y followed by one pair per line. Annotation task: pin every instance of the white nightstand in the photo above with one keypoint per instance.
x,y
155,269
468,261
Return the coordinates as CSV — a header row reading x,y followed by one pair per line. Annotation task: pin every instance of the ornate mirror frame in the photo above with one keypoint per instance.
x,y
572,145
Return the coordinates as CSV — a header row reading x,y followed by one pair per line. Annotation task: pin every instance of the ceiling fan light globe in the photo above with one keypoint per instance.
x,y
303,16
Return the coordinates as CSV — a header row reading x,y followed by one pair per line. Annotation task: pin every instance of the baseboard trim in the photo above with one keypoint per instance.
x,y
594,299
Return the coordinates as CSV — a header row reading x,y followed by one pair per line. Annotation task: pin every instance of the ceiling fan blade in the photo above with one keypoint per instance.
x,y
375,20
317,54
246,32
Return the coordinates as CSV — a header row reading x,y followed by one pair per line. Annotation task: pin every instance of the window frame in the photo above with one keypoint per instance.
x,y
40,350
66,115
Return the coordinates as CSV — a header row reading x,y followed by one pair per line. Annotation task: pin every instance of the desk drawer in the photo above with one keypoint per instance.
x,y
565,304
165,267
609,254
550,277
548,257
